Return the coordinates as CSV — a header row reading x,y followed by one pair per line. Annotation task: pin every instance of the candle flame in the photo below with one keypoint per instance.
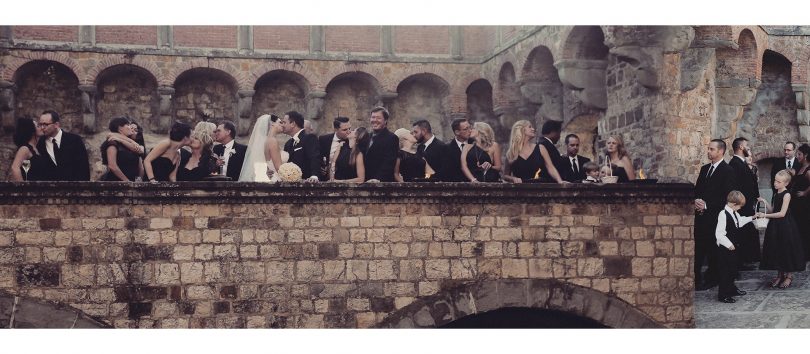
x,y
537,175
641,174
427,175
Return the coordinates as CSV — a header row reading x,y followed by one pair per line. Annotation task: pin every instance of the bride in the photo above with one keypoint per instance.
x,y
263,153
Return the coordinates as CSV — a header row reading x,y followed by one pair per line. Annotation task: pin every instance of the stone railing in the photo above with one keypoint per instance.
x,y
219,254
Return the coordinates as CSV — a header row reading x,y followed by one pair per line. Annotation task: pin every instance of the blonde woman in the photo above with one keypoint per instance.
x,y
408,166
618,159
481,162
200,162
525,158
205,128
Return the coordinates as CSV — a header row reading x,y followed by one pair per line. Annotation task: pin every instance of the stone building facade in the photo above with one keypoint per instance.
x,y
667,90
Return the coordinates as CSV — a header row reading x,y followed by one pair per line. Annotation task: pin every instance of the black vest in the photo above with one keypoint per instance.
x,y
732,231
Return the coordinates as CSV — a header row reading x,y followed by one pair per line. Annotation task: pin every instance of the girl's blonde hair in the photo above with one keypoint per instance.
x,y
486,136
516,139
401,133
785,175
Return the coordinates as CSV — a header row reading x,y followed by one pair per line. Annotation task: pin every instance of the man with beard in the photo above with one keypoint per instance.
x,y
746,182
430,148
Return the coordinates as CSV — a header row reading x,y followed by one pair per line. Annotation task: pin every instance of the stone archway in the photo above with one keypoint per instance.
x,y
22,312
127,90
736,85
540,87
422,96
464,300
204,94
278,92
45,84
507,96
352,95
480,108
582,71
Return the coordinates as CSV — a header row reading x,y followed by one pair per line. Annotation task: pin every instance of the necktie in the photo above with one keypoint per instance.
x,y
420,150
462,146
789,165
55,149
574,165
736,222
711,170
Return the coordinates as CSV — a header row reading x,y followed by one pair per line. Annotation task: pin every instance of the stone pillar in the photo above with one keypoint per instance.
x,y
165,119
88,108
7,96
6,35
456,42
315,100
245,109
802,112
388,99
87,36
316,40
245,39
165,37
387,40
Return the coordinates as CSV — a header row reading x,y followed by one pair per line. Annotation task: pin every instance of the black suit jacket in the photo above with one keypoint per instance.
x,y
714,192
325,143
434,155
305,154
567,171
236,160
451,165
745,182
381,156
556,160
71,160
779,165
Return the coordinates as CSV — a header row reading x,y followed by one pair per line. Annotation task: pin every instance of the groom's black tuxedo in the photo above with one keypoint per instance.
x,y
71,159
235,161
305,153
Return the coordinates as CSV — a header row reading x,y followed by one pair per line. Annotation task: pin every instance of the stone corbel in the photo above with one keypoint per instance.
x,y
315,100
7,96
388,99
88,108
645,65
165,118
245,109
802,112
586,78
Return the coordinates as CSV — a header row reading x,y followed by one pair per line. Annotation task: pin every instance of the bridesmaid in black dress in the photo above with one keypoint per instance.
x,y
200,162
481,161
800,189
408,166
162,162
351,167
526,158
782,249
122,163
620,162
25,138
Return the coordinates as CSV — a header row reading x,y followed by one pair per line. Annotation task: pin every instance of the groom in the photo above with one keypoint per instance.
x,y
303,148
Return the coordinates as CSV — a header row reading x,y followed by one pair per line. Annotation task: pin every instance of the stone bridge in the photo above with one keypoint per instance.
x,y
245,255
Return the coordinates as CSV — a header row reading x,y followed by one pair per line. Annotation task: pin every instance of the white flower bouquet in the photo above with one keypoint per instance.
x,y
290,172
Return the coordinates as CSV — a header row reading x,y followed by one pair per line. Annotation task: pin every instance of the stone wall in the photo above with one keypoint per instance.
x,y
251,255
772,113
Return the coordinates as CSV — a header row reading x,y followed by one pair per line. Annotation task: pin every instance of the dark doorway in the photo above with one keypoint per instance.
x,y
523,317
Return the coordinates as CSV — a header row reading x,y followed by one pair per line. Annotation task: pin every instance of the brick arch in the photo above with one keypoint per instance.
x,y
295,67
443,85
371,70
799,57
148,66
10,72
433,70
582,42
182,67
488,295
741,63
543,57
35,313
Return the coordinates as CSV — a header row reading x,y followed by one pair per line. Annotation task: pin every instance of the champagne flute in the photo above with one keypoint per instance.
x,y
26,165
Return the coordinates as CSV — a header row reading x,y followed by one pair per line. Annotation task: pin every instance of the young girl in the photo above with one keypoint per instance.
x,y
782,249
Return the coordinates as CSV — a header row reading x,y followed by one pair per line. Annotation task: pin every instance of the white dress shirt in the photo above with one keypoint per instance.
x,y
720,231
226,152
791,162
49,145
574,162
427,143
333,154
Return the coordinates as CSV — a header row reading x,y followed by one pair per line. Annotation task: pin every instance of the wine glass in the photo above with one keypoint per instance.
x,y
26,165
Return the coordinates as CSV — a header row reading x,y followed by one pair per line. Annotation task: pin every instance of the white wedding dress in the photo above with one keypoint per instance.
x,y
255,167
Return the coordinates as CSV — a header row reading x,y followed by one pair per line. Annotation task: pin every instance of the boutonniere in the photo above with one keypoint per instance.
x,y
232,152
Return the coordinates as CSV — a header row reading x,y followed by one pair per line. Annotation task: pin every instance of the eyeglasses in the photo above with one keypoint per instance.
x,y
43,125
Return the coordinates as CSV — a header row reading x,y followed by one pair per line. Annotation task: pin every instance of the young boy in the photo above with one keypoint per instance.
x,y
729,223
591,172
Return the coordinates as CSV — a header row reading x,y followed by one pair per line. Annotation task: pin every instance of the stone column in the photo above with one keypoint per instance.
x,y
245,39
387,40
388,98
456,42
165,37
88,108
165,119
7,96
245,109
316,41
315,100
87,36
802,112
6,35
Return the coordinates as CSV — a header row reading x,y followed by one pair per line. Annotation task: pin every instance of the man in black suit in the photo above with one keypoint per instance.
x,y
550,135
572,168
231,153
715,181
430,148
303,148
745,182
332,145
381,155
66,155
451,165
789,162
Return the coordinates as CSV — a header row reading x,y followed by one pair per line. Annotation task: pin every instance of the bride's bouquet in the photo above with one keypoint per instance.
x,y
290,172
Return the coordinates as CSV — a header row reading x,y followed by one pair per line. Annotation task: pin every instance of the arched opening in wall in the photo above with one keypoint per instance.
x,y
541,88
480,108
24,312
507,97
204,94
278,92
49,85
524,317
770,120
586,128
736,84
351,95
583,72
737,67
422,96
127,90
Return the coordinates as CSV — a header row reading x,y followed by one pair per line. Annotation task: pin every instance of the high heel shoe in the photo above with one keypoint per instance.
x,y
776,281
786,282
